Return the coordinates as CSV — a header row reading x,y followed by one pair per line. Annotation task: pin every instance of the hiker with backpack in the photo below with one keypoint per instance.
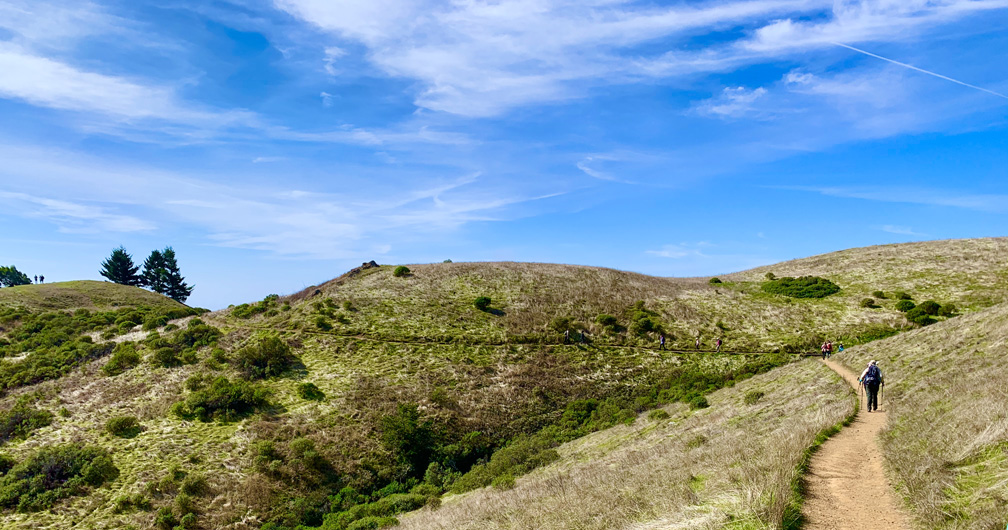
x,y
661,341
822,349
718,349
871,379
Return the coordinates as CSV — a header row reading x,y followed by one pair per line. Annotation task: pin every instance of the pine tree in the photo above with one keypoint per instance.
x,y
119,268
175,286
10,276
154,273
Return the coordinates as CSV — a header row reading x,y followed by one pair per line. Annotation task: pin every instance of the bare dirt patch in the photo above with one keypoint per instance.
x,y
846,483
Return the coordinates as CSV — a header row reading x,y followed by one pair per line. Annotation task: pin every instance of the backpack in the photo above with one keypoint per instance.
x,y
873,376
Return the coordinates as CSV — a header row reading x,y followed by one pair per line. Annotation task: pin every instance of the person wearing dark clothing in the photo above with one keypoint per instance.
x,y
718,350
872,380
661,342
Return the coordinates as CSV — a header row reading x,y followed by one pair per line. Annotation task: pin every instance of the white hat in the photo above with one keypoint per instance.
x,y
873,362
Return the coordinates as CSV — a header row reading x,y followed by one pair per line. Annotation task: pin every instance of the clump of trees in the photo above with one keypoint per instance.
x,y
10,276
160,273
802,287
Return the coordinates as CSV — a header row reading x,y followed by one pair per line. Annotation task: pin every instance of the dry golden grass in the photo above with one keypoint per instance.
x,y
727,466
947,399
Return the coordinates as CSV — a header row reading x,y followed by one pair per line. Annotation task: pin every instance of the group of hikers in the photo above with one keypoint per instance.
x,y
661,343
827,348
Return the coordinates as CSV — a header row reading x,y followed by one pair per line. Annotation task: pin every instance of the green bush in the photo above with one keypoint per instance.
x,y
401,271
165,357
929,307
310,392
803,287
482,303
195,485
715,281
698,402
124,426
124,357
770,276
948,310
377,514
869,303
412,438
223,400
606,320
54,473
21,419
196,335
269,356
322,323
658,415
188,521
126,327
905,305
753,396
879,294
522,455
919,317
165,519
901,295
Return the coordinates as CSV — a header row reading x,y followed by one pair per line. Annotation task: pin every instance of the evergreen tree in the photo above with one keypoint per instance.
x,y
119,268
154,273
175,285
10,276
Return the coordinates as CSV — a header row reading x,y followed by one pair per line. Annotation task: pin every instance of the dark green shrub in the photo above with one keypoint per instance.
x,y
124,426
715,281
185,504
948,310
410,437
803,287
753,396
522,455
606,320
482,303
869,303
698,402
905,305
197,334
919,317
195,485
54,473
165,519
901,295
658,415
170,327
401,271
124,357
153,322
929,307
310,392
770,276
165,357
879,294
188,521
223,400
322,323
21,420
377,514
269,356
126,327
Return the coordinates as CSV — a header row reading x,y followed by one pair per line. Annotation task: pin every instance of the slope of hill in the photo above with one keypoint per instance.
x,y
81,294
946,395
373,394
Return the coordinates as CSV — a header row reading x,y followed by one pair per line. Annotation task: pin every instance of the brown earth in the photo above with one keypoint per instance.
x,y
846,486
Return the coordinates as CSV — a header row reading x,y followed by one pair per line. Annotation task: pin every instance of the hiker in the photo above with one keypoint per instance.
x,y
872,379
829,349
41,279
698,343
36,278
583,337
566,336
718,350
822,350
840,348
661,341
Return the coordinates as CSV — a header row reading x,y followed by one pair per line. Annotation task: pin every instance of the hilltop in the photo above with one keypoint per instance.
x,y
374,394
81,294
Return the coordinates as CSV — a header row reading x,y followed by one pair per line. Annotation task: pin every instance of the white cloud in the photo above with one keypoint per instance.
x,y
991,202
679,251
72,217
900,230
733,103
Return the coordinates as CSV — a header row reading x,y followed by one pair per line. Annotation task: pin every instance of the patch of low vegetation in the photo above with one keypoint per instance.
x,y
21,419
124,357
54,473
801,287
715,281
124,426
268,306
482,303
268,356
311,392
401,271
905,305
869,303
222,400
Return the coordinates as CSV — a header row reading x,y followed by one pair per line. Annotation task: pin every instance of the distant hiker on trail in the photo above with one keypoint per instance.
x,y
829,349
872,379
698,343
566,336
583,337
822,349
661,341
840,348
718,350
41,279
36,278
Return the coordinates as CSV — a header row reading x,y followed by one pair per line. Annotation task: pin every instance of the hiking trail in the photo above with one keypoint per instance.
x,y
846,485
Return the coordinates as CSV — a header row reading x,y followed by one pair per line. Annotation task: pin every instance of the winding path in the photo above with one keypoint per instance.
x,y
846,486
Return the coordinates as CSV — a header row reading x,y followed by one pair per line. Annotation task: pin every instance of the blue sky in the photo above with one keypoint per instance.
x,y
276,144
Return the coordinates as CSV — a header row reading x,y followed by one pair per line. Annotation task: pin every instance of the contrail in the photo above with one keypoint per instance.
x,y
921,70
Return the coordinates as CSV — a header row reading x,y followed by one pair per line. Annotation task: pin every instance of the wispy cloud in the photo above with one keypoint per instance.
x,y
926,196
70,216
900,230
734,103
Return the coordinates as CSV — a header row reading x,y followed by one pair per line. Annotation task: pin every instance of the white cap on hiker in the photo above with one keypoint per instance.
x,y
873,362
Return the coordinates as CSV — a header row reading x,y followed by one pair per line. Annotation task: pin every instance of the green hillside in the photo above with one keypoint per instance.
x,y
86,294
375,394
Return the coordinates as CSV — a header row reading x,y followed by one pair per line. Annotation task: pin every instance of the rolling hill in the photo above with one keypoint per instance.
x,y
375,394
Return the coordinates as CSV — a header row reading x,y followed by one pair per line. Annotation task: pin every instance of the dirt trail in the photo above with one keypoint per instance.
x,y
846,484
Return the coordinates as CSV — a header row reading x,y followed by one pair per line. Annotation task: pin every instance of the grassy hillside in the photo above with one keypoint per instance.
x,y
374,394
86,294
947,439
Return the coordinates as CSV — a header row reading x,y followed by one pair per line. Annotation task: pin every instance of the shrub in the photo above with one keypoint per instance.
x,y
54,473
222,401
948,310
21,420
901,295
195,485
803,287
124,426
401,271
869,303
879,294
482,303
409,437
197,334
267,357
770,276
124,357
126,327
310,392
658,415
714,281
165,519
606,320
905,305
188,521
753,396
929,307
522,455
919,317
322,323
698,402
165,357
377,514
